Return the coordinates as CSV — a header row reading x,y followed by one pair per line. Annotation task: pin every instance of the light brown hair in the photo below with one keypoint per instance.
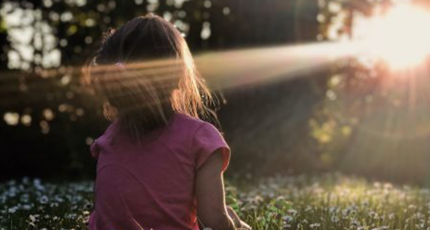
x,y
145,73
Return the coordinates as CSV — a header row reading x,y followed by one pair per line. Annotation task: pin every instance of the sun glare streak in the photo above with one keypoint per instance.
x,y
264,65
224,69
399,36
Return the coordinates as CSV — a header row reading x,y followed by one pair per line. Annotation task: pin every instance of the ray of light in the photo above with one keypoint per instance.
x,y
263,65
229,68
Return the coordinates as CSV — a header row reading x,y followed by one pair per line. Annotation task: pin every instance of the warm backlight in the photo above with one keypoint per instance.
x,y
399,36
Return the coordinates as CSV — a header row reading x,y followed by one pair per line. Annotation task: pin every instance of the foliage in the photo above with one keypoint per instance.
x,y
49,116
328,202
335,119
369,113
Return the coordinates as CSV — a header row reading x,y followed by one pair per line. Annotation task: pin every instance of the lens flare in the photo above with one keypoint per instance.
x,y
399,36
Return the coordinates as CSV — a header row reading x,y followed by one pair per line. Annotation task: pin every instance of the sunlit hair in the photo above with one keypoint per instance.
x,y
145,73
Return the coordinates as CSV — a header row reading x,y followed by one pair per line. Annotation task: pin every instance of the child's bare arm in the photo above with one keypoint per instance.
x,y
211,207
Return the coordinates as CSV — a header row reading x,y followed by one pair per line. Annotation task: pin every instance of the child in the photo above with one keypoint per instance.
x,y
158,165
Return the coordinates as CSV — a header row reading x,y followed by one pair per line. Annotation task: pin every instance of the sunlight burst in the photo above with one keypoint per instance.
x,y
399,36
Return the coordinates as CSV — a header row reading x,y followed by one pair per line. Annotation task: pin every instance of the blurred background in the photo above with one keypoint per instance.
x,y
364,112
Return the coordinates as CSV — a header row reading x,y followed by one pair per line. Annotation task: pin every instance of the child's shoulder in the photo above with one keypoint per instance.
x,y
192,123
189,120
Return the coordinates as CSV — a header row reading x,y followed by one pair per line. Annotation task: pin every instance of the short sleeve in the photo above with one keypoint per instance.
x,y
207,140
95,150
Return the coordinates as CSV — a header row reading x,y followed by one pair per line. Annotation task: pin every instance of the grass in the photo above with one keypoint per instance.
x,y
326,202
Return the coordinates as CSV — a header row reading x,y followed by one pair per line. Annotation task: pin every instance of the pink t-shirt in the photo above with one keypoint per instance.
x,y
151,185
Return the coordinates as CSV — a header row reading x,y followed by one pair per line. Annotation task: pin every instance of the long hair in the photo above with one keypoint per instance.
x,y
145,73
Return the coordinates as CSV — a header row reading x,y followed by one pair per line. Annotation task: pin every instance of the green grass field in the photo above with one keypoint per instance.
x,y
327,202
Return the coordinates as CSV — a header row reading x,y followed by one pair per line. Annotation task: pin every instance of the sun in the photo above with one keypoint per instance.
x,y
399,36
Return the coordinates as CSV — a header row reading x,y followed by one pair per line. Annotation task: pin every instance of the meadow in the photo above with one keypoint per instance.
x,y
326,202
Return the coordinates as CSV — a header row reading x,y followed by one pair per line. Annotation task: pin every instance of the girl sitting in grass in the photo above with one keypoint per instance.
x,y
158,165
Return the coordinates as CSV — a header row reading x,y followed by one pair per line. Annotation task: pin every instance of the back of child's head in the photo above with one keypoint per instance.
x,y
145,73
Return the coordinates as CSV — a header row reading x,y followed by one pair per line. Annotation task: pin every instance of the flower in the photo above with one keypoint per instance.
x,y
43,200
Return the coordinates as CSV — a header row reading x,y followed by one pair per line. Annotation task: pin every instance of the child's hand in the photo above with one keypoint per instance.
x,y
244,226
239,224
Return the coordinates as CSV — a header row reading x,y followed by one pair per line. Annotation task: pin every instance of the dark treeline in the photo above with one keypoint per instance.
x,y
64,120
341,118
